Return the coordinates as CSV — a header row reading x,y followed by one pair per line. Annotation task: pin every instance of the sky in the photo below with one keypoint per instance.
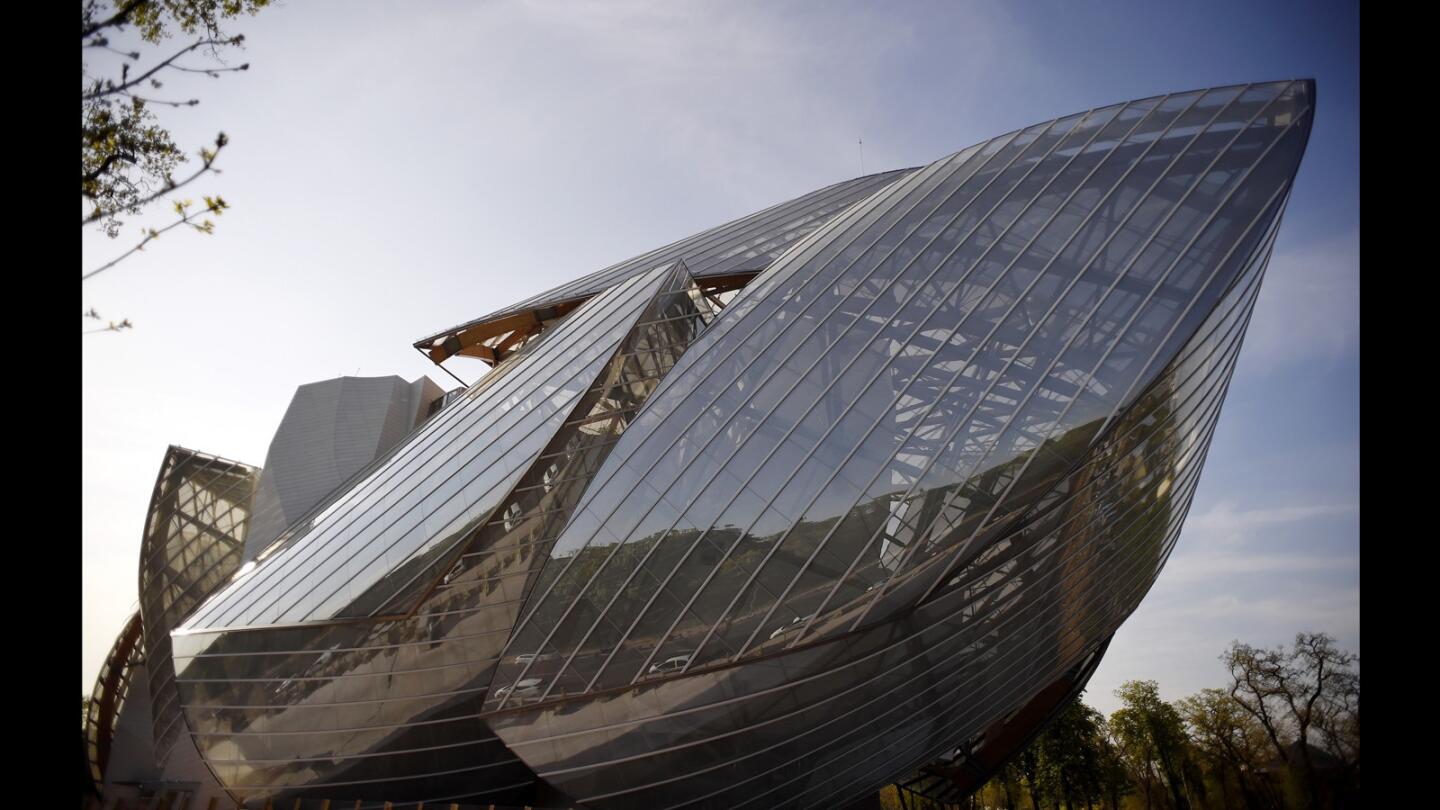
x,y
394,169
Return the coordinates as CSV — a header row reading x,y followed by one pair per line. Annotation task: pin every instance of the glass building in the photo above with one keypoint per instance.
x,y
772,516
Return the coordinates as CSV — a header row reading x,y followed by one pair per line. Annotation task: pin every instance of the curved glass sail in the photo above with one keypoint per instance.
x,y
898,391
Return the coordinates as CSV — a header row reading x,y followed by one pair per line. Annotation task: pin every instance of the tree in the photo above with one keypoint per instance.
x,y
1028,763
1114,778
1072,763
1151,737
1070,753
127,159
1231,743
1312,687
1007,783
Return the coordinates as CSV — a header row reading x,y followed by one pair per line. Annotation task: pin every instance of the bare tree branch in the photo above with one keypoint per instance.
x,y
105,44
113,327
212,72
189,103
215,205
110,89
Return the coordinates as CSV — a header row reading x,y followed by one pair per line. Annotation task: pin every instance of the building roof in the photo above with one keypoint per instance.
x,y
726,255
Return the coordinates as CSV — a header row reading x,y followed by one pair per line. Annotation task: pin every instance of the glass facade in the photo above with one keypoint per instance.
x,y
779,513
194,541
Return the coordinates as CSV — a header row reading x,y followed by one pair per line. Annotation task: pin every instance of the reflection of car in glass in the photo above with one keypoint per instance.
x,y
671,664
528,657
529,687
794,623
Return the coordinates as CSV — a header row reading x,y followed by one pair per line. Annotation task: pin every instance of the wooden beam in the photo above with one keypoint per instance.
x,y
504,346
725,283
472,340
465,341
481,351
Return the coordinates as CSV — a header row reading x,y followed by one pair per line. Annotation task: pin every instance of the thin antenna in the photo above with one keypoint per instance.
x,y
861,141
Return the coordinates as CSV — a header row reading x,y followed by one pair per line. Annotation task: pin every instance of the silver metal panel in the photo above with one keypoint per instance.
x,y
330,431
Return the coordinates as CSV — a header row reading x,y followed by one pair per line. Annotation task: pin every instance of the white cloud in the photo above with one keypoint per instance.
x,y
1223,523
1208,565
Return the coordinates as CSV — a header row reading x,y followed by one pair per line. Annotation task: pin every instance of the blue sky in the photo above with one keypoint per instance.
x,y
397,168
